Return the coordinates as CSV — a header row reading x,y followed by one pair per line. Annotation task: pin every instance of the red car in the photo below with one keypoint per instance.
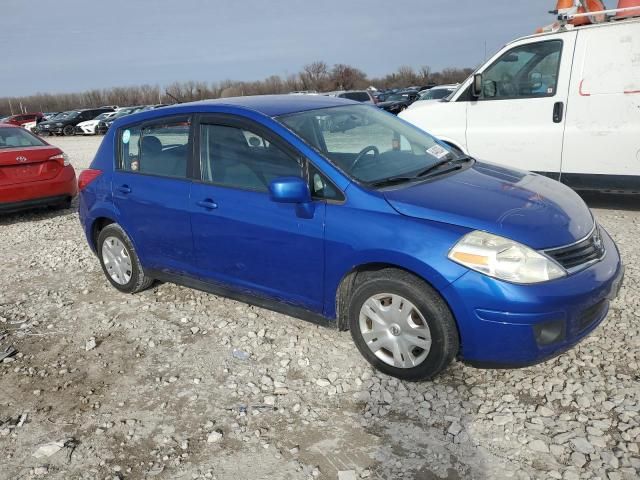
x,y
24,118
32,172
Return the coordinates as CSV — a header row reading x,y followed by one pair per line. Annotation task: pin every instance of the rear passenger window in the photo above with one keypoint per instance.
x,y
157,149
239,158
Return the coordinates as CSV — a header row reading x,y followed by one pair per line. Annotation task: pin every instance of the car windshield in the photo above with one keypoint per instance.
x,y
436,94
71,115
367,143
18,137
102,116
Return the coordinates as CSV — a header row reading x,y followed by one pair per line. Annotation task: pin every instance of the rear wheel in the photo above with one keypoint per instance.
x,y
119,260
401,325
68,130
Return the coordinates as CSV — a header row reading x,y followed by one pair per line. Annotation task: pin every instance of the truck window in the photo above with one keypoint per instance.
x,y
526,71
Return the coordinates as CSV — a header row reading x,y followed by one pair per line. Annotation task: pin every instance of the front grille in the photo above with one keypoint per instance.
x,y
572,257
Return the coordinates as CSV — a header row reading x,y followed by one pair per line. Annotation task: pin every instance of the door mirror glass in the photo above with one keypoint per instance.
x,y
289,190
489,89
476,88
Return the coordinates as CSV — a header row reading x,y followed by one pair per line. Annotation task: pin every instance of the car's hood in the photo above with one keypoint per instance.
x,y
88,123
526,207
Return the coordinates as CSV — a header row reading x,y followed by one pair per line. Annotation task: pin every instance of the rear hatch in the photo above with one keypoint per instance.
x,y
31,164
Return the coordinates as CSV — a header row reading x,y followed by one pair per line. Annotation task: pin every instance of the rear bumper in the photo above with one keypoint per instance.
x,y
39,193
504,325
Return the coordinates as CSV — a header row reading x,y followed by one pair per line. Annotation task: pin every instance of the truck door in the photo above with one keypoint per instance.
x,y
519,118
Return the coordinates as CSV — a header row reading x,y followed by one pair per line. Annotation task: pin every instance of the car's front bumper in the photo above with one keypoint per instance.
x,y
38,193
85,130
507,325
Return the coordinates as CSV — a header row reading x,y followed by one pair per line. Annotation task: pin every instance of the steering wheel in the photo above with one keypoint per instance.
x,y
363,152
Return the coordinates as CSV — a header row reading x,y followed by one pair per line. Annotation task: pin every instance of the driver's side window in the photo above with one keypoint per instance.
x,y
526,71
239,158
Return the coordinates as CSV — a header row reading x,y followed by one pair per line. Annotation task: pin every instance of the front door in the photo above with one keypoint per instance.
x,y
151,191
241,237
519,119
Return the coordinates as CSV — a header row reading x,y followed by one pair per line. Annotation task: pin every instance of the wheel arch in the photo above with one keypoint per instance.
x,y
350,278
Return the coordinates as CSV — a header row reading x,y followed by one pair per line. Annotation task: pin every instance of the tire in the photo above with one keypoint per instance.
x,y
425,325
128,276
68,130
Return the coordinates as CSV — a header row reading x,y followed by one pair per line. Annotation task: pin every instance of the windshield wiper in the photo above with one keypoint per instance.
x,y
387,182
437,165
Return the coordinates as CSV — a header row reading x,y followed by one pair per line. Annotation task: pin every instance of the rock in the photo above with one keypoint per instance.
x,y
322,382
545,411
582,445
578,459
49,449
214,437
240,354
502,419
269,400
454,429
538,446
42,470
347,475
90,344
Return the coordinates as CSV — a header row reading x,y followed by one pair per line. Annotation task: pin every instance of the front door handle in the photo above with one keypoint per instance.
x,y
558,112
124,189
208,204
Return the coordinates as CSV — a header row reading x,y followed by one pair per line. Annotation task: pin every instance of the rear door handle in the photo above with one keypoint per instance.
x,y
208,204
558,112
124,189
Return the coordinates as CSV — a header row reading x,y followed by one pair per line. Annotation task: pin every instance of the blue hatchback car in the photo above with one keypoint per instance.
x,y
335,211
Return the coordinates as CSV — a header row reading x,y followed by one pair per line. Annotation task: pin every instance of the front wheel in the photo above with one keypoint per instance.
x,y
401,325
68,130
119,260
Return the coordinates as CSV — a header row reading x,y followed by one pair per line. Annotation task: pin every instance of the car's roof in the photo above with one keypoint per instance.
x,y
274,105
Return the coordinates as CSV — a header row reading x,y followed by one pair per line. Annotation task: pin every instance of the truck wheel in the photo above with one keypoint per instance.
x,y
401,325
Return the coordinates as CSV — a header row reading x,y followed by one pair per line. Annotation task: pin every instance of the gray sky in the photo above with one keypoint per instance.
x,y
70,45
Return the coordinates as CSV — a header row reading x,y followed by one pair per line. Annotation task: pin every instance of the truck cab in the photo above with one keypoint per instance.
x,y
564,103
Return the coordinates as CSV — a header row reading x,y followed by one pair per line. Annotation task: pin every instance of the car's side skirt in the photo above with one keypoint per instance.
x,y
246,297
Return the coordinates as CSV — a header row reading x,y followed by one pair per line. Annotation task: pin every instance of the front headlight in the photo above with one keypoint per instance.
x,y
59,124
504,259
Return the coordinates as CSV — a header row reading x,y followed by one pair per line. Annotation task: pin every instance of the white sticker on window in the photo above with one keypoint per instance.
x,y
126,136
437,151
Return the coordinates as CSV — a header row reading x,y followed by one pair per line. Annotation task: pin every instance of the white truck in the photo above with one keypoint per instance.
x,y
564,103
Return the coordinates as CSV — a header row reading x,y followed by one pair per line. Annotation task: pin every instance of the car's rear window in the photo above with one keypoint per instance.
x,y
18,137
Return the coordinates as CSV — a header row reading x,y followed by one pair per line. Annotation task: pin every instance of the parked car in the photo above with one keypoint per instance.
x,y
363,96
562,103
435,93
65,124
89,127
24,118
32,172
104,125
397,102
423,254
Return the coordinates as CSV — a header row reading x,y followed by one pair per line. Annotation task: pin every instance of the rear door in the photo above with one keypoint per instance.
x,y
241,237
151,190
519,119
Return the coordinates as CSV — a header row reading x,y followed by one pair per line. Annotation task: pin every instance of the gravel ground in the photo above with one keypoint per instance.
x,y
175,383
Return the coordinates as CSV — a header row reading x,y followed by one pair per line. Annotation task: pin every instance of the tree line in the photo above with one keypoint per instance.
x,y
316,76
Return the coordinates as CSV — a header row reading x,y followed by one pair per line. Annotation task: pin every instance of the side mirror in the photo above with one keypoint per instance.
x,y
289,190
476,87
293,190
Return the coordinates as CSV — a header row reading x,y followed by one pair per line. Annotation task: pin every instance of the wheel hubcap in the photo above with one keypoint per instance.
x,y
395,330
116,260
